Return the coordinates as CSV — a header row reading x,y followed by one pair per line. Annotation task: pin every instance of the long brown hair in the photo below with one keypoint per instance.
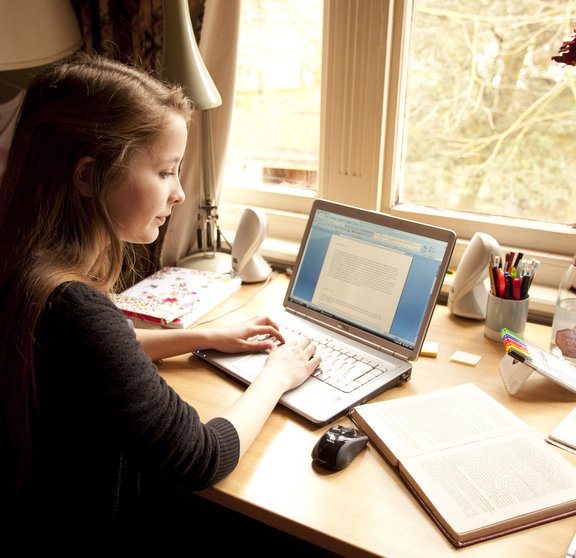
x,y
89,106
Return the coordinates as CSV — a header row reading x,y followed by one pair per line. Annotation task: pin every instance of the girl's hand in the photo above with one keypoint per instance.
x,y
246,337
293,362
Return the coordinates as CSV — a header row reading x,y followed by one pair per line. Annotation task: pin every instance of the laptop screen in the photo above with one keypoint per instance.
x,y
377,273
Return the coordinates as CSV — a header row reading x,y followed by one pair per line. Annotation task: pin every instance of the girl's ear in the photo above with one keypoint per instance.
x,y
82,175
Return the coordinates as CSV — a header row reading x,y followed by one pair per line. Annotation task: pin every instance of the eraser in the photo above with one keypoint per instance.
x,y
429,349
465,358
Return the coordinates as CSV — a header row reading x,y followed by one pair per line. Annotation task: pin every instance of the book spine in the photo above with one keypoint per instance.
x,y
143,317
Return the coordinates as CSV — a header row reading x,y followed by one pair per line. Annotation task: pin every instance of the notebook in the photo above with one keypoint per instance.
x,y
362,279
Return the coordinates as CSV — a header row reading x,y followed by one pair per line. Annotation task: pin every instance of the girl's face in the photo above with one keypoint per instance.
x,y
141,201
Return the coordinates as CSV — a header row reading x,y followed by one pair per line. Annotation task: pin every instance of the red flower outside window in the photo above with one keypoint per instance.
x,y
567,52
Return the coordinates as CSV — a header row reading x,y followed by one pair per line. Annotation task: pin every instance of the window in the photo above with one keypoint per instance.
x,y
489,119
275,137
448,112
276,130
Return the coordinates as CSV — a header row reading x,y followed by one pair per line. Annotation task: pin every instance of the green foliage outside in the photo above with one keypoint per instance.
x,y
490,118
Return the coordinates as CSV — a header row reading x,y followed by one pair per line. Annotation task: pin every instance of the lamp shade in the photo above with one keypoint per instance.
x,y
181,59
36,32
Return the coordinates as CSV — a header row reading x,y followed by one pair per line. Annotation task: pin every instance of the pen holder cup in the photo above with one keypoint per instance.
x,y
505,312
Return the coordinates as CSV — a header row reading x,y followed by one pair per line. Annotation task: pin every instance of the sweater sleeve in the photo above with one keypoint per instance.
x,y
97,383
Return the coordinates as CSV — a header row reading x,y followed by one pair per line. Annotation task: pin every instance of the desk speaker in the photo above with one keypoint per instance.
x,y
469,293
251,232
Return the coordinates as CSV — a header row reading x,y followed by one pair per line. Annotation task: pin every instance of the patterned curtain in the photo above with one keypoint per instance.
x,y
129,30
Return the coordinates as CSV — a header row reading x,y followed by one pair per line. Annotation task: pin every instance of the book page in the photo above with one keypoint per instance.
x,y
479,489
431,421
564,433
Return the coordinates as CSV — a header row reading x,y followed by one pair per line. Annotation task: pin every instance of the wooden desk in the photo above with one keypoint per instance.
x,y
365,510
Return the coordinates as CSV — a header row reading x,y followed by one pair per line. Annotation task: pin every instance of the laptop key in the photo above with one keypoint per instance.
x,y
340,368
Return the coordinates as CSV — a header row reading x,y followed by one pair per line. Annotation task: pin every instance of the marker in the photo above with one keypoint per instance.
x,y
501,283
516,288
514,345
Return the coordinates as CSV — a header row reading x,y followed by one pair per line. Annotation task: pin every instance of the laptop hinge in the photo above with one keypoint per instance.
x,y
343,330
389,352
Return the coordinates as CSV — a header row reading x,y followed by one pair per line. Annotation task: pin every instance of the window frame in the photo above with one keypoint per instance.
x,y
363,71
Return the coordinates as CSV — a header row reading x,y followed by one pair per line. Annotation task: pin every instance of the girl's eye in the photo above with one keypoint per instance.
x,y
166,174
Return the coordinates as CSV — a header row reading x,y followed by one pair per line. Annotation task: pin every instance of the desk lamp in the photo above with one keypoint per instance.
x,y
33,34
183,64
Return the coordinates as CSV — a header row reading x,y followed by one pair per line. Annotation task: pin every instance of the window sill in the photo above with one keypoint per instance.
x,y
542,298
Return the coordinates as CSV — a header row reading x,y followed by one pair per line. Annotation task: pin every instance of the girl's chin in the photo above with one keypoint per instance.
x,y
146,237
152,237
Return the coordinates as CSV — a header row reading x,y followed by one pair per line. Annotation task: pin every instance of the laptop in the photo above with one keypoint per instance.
x,y
364,280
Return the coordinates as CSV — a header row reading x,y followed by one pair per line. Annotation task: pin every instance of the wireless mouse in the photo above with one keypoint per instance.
x,y
338,446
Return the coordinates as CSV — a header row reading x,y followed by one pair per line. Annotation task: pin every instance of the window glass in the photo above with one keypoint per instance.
x,y
490,119
462,120
276,124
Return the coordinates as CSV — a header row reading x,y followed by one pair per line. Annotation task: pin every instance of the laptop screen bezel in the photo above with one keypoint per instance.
x,y
344,327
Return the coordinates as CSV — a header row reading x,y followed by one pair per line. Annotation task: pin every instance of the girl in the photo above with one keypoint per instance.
x,y
91,436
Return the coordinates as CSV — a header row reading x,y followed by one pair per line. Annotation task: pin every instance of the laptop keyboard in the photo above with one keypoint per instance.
x,y
340,367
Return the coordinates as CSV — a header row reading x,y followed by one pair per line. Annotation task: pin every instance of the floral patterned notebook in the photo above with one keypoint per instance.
x,y
176,297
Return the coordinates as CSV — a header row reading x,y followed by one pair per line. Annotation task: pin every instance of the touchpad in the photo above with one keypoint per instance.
x,y
251,365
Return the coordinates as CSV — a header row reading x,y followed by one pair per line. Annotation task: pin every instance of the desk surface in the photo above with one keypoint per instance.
x,y
365,510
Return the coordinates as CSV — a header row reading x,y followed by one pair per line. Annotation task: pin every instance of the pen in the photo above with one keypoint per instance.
x,y
492,274
511,275
514,352
525,286
507,285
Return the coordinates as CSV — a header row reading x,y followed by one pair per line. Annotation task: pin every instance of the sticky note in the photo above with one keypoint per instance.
x,y
429,349
465,358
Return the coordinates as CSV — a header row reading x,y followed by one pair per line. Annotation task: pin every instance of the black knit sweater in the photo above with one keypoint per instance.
x,y
110,426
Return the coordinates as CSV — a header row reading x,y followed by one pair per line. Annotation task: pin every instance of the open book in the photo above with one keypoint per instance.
x,y
478,470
